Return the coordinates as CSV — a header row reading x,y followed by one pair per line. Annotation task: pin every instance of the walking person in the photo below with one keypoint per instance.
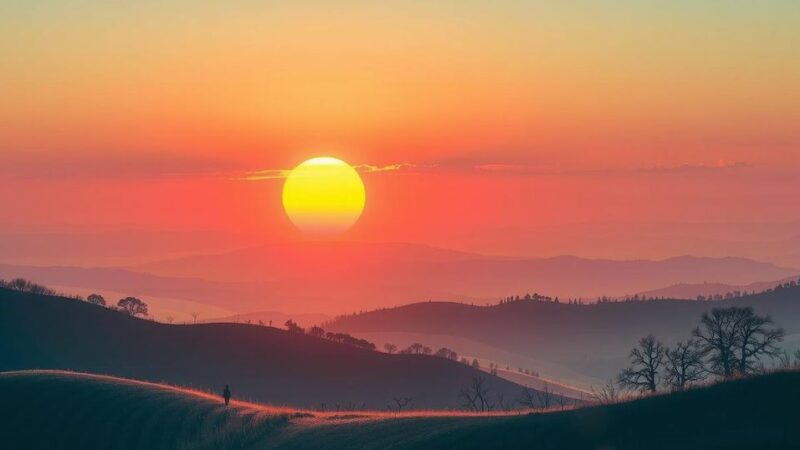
x,y
226,394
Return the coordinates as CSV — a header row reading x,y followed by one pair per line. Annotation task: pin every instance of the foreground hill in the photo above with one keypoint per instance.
x,y
560,339
260,363
51,410
56,410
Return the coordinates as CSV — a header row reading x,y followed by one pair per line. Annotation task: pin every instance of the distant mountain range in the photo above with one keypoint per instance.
x,y
260,363
692,291
332,278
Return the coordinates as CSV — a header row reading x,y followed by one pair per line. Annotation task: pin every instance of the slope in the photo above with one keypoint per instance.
x,y
260,363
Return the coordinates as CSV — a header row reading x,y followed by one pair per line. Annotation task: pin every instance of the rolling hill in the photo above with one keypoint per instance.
x,y
260,363
591,340
58,410
53,410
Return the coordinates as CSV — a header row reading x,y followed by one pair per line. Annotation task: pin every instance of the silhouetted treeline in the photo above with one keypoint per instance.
x,y
642,298
342,338
23,285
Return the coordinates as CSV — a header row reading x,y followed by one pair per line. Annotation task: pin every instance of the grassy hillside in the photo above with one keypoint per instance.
x,y
758,413
54,410
260,363
593,340
48,410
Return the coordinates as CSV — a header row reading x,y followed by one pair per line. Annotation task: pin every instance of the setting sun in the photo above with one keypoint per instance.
x,y
323,195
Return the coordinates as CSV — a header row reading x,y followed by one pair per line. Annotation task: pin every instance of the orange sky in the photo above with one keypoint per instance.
x,y
525,129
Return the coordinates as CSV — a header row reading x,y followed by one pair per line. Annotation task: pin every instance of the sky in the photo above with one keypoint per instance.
x,y
622,129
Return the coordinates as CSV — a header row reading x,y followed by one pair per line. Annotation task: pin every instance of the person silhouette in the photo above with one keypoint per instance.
x,y
226,394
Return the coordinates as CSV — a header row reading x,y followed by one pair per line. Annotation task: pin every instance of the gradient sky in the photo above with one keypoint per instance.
x,y
617,129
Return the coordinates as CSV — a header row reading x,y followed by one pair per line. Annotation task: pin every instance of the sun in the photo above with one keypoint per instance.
x,y
324,195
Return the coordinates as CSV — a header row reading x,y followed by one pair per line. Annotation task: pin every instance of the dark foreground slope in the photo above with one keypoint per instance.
x,y
260,363
46,410
758,413
55,411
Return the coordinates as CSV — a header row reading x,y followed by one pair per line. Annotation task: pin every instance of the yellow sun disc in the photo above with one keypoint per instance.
x,y
323,195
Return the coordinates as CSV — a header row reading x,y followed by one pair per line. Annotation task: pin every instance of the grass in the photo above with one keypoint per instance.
x,y
52,410
58,410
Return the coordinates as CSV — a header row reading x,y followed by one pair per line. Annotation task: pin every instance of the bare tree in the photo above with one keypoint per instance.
x,y
132,306
684,364
735,338
414,348
545,396
562,401
316,331
400,403
605,394
194,316
170,319
501,402
756,338
475,396
96,299
390,348
646,359
426,350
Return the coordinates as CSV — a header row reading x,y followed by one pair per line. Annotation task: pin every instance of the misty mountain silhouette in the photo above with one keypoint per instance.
x,y
332,278
593,340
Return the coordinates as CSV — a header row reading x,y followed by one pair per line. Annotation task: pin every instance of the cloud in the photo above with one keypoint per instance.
x,y
368,168
106,165
264,174
524,169
272,174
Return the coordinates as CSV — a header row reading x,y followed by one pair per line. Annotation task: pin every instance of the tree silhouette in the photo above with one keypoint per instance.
x,y
415,348
316,331
532,399
132,306
646,359
293,327
735,338
96,299
605,394
474,397
390,348
401,402
756,338
23,285
445,352
684,364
